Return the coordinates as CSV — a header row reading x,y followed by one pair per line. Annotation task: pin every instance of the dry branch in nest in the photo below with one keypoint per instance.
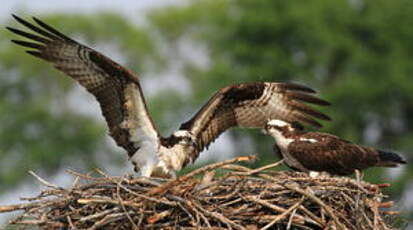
x,y
241,198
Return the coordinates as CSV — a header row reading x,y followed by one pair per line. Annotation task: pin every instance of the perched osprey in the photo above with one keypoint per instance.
x,y
314,151
122,102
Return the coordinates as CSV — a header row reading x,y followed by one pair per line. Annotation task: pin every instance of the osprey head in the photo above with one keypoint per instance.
x,y
282,127
184,137
277,126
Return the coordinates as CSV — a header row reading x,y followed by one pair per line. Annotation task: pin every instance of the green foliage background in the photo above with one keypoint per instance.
x,y
358,54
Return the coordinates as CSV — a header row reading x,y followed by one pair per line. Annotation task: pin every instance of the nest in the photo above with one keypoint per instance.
x,y
239,198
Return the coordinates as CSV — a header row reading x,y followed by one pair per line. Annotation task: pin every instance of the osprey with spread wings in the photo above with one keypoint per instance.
x,y
122,102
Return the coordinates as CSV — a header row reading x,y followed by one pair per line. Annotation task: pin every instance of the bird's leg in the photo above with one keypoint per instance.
x,y
145,159
172,174
161,169
324,175
359,175
146,170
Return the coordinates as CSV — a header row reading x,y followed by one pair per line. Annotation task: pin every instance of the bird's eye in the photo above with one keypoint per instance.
x,y
298,126
268,127
186,139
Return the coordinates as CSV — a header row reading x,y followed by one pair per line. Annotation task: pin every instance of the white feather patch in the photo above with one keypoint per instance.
x,y
283,142
182,133
141,130
311,140
314,174
277,122
139,124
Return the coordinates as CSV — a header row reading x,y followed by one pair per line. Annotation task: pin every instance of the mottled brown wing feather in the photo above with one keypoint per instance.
x,y
113,85
252,105
332,154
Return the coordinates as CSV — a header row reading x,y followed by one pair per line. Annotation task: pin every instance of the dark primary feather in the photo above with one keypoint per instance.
x,y
306,98
101,76
28,35
36,29
296,87
389,159
305,109
252,105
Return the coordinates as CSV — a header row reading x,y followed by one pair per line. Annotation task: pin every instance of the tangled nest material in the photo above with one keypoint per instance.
x,y
242,198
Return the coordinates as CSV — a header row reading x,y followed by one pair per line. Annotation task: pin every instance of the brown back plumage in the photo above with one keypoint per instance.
x,y
114,86
334,155
252,105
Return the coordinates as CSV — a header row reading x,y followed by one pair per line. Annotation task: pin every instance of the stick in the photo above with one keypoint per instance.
x,y
283,215
254,171
44,182
161,189
124,208
319,202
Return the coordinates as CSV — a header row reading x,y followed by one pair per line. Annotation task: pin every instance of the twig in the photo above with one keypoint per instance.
x,y
290,220
69,220
220,217
312,215
107,201
319,202
166,186
283,215
239,168
254,171
44,182
89,178
16,207
277,208
98,215
124,208
107,219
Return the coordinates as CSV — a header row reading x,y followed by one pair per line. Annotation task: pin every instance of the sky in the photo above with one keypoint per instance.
x,y
129,8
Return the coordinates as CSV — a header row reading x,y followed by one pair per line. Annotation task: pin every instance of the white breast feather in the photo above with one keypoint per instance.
x,y
172,158
276,122
142,133
139,124
182,133
282,141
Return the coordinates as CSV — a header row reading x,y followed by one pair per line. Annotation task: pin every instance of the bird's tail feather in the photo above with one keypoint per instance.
x,y
389,159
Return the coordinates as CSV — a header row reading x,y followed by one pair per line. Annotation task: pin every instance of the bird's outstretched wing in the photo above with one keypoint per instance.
x,y
252,105
116,88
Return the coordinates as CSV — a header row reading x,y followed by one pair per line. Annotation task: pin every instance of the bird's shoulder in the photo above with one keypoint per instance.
x,y
321,138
